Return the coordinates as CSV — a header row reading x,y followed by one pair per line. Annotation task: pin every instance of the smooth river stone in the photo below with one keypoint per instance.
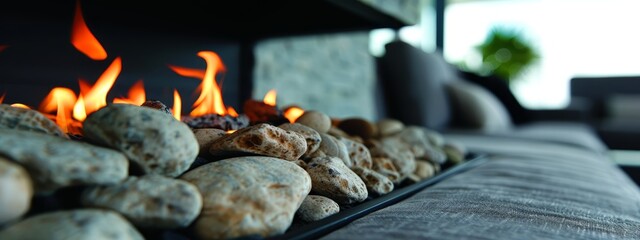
x,y
310,135
150,201
246,196
206,137
332,147
27,120
397,151
53,162
331,178
316,207
424,169
317,120
73,224
16,191
154,140
385,166
262,139
358,153
376,183
389,127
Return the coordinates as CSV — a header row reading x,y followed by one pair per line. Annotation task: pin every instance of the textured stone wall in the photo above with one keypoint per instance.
x,y
332,73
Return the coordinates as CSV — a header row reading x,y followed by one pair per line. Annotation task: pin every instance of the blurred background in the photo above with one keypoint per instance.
x,y
571,38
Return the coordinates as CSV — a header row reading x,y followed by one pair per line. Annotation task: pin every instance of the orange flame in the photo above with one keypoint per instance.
x,y
2,97
232,112
177,105
82,38
135,96
270,98
293,113
188,72
61,100
96,97
210,99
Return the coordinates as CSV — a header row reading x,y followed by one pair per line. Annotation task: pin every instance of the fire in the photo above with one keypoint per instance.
x,y
2,97
270,98
210,99
135,96
83,39
60,100
232,112
293,113
177,105
96,97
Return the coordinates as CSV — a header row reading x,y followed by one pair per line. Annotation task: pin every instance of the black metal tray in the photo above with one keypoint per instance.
x,y
319,228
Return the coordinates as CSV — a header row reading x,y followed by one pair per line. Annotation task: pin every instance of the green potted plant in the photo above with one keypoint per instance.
x,y
506,54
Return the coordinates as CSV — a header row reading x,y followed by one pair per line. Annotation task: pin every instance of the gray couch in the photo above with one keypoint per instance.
x,y
543,180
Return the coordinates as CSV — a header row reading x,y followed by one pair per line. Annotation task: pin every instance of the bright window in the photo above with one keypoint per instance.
x,y
573,37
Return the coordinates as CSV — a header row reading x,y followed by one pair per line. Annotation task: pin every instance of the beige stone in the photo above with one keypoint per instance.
x,y
316,120
206,137
316,207
397,151
311,136
389,127
16,191
27,120
261,139
332,147
53,162
358,153
154,140
331,178
248,196
150,201
376,183
424,169
455,151
385,166
73,224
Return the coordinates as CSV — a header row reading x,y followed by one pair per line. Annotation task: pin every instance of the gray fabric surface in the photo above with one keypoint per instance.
x,y
550,191
558,134
412,80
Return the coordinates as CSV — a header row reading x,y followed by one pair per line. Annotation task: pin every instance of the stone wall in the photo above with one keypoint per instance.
x,y
333,73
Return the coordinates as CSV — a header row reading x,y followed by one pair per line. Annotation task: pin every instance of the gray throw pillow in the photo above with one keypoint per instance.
x,y
477,108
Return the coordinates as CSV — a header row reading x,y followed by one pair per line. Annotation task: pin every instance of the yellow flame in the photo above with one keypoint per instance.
x,y
270,98
293,113
78,109
96,97
177,105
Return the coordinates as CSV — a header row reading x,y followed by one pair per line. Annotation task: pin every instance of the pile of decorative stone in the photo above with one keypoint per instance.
x,y
135,172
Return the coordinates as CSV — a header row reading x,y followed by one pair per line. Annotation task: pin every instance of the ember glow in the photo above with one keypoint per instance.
x,y
3,47
20,105
82,38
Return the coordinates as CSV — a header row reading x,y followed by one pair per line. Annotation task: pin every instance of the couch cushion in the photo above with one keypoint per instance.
x,y
477,108
413,85
560,194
